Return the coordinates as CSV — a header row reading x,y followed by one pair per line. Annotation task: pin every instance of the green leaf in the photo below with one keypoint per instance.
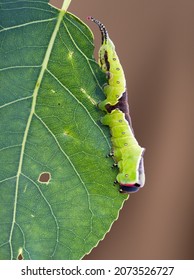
x,y
57,198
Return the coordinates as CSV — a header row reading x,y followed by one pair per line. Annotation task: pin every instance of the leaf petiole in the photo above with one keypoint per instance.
x,y
65,5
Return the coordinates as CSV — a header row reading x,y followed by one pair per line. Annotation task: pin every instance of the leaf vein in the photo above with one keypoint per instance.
x,y
21,1
15,101
72,23
87,59
72,165
24,243
50,207
28,8
24,141
19,66
26,24
7,179
81,104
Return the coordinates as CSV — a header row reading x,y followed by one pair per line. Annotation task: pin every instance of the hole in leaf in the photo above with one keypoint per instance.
x,y
44,178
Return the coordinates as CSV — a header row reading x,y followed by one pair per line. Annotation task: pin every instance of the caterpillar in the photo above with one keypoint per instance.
x,y
126,152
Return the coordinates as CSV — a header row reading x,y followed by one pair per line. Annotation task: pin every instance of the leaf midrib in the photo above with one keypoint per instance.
x,y
35,94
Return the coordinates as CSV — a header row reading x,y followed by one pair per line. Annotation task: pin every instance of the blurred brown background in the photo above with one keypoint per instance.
x,y
155,43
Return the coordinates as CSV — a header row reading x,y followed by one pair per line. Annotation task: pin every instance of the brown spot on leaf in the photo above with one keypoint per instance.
x,y
20,257
20,254
44,178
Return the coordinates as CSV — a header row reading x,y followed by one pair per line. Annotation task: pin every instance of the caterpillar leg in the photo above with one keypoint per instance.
x,y
114,165
110,155
115,182
102,105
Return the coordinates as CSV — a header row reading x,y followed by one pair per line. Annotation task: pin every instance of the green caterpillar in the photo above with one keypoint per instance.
x,y
127,153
